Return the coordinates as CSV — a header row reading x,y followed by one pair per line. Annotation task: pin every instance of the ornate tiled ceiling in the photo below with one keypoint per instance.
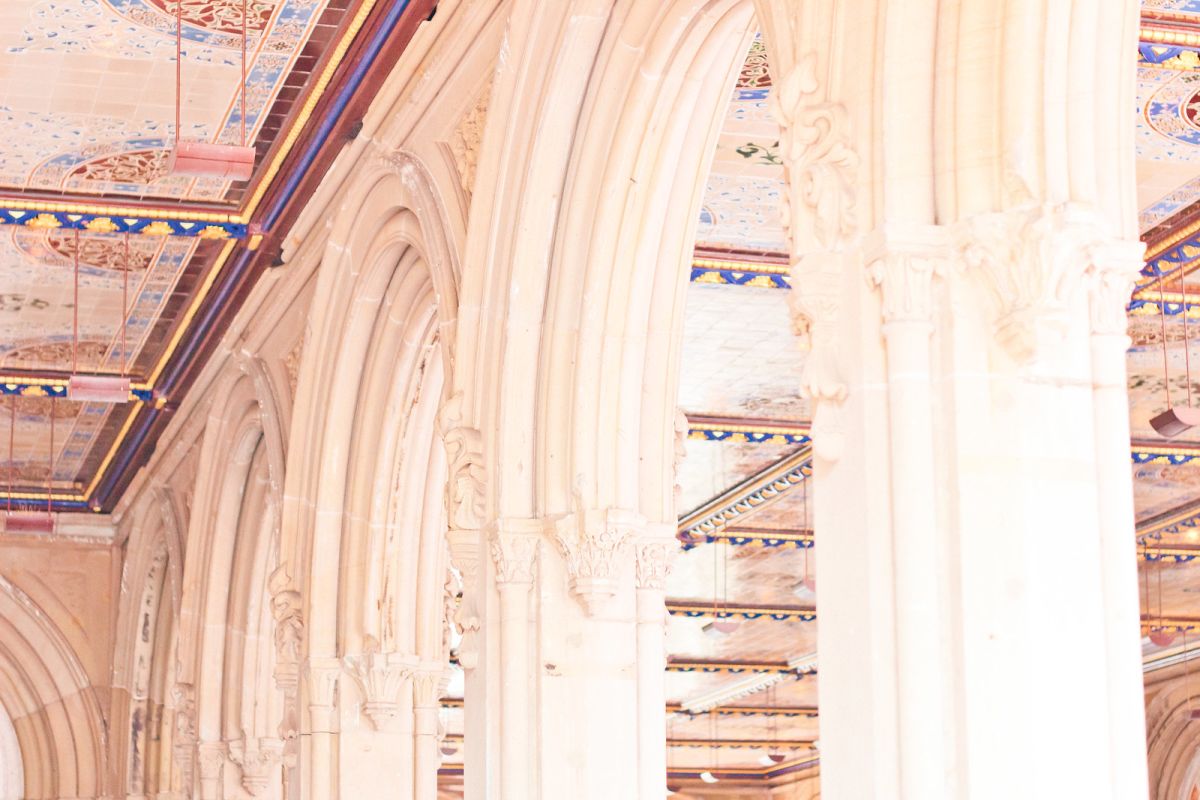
x,y
88,117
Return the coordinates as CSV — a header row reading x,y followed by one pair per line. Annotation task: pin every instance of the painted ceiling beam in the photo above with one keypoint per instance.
x,y
712,609
1170,622
754,711
738,667
95,218
810,712
755,492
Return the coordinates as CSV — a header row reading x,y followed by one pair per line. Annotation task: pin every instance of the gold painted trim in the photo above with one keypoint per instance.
x,y
1158,35
141,212
740,266
310,105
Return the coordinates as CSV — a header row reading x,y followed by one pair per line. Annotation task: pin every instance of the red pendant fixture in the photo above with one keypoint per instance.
x,y
1175,420
208,159
28,521
98,388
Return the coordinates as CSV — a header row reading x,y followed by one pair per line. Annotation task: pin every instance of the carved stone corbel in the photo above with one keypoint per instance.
x,y
466,506
380,678
595,542
257,759
821,226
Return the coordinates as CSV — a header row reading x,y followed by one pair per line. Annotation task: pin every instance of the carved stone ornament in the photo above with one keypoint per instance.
x,y
820,163
594,542
211,757
652,560
514,552
902,263
1032,260
426,685
288,611
465,141
466,503
257,759
184,743
1115,267
465,547
380,678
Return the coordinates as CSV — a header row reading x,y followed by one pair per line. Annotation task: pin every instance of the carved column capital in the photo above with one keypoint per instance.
x,y
514,549
210,756
427,685
595,542
380,678
653,557
257,758
1115,267
1032,261
901,264
321,675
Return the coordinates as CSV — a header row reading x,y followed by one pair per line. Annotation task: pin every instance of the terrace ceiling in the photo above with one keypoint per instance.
x,y
87,117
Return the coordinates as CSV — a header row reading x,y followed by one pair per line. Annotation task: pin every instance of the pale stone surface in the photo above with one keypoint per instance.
x,y
466,374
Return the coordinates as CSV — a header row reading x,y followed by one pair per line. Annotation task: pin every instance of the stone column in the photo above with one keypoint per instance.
x,y
901,264
1115,267
465,511
514,546
322,679
211,759
653,560
426,681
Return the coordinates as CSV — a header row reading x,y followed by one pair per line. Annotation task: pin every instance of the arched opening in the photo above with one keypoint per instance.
x,y
366,482
12,770
49,703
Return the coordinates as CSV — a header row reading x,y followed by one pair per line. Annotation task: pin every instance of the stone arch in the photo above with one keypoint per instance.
x,y
366,480
53,708
230,723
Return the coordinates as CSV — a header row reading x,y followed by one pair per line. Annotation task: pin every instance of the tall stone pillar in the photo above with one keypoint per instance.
x,y
978,594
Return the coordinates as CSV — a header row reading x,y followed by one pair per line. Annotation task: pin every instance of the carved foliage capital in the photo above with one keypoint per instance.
x,y
257,758
514,550
1032,261
594,542
380,678
652,561
210,757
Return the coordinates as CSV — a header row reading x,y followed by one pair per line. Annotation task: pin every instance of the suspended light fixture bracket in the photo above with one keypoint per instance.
x,y
98,388
207,160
